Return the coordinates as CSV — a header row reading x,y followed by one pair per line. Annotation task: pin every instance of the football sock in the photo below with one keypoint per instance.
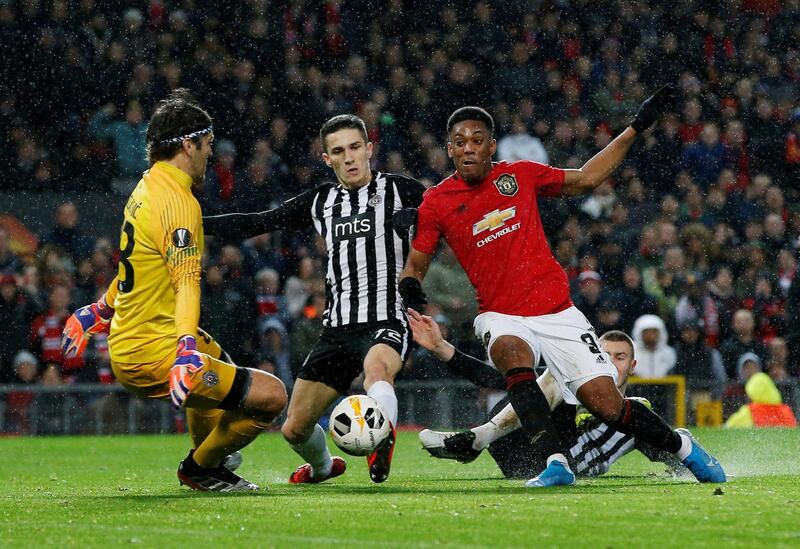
x,y
504,422
383,392
533,410
315,452
686,447
234,431
645,425
201,423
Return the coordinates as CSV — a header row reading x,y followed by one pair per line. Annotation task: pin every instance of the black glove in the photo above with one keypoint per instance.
x,y
403,221
653,107
411,291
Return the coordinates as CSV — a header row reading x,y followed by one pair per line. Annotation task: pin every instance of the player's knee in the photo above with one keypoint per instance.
x,y
511,352
376,372
294,432
267,395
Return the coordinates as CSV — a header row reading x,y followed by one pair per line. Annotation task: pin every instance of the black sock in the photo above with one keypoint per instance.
x,y
533,410
647,426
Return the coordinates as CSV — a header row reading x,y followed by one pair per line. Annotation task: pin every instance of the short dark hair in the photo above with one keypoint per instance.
x,y
342,122
176,116
618,335
470,113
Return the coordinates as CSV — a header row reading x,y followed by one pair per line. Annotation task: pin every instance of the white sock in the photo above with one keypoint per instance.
x,y
686,447
503,423
559,457
383,392
315,452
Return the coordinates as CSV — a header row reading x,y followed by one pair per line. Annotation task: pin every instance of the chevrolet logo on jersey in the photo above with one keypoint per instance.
x,y
494,220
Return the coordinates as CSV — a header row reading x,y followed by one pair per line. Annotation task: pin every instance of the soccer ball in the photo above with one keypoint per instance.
x,y
358,425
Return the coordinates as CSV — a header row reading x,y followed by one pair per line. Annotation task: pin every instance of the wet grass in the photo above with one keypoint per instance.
x,y
101,491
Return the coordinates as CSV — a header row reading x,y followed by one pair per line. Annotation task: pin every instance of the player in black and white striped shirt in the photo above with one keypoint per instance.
x,y
593,446
362,218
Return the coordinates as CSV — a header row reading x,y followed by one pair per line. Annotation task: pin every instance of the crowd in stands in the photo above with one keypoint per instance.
x,y
692,245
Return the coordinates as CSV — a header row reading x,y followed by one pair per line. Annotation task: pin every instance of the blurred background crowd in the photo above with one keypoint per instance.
x,y
691,246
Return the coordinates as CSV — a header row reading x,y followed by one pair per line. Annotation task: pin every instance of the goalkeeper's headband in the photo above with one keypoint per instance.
x,y
192,135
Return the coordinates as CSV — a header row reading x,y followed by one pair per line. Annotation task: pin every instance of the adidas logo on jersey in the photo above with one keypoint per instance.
x,y
601,360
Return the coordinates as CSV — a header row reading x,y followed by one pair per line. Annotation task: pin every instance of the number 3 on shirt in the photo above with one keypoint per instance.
x,y
126,285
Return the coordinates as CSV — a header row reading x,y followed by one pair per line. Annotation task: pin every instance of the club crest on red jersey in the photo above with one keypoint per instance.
x,y
507,184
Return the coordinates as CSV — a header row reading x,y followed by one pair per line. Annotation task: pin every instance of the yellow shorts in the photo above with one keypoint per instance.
x,y
219,384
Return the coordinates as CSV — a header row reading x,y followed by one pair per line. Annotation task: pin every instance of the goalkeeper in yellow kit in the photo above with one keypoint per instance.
x,y
152,308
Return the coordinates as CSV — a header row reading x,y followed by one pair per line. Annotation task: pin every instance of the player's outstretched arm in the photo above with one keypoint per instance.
x,y
592,174
293,214
88,321
428,335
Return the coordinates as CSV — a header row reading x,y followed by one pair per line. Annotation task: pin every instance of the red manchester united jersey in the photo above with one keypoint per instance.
x,y
495,231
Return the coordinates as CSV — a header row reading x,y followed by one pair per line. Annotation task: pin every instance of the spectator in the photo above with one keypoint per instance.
x,y
228,314
768,306
273,353
259,253
778,360
695,303
298,287
519,144
18,403
741,341
725,301
700,364
654,356
10,264
633,301
590,286
270,303
449,288
220,185
45,336
66,234
306,330
16,311
747,365
128,136
765,409
609,316
793,326
706,158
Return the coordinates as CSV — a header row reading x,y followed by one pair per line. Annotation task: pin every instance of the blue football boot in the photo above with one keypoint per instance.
x,y
555,474
703,465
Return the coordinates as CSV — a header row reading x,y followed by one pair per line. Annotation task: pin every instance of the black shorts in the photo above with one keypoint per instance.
x,y
338,356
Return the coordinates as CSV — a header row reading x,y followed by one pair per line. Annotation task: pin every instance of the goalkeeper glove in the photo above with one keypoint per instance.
x,y
642,400
653,107
187,362
411,291
83,324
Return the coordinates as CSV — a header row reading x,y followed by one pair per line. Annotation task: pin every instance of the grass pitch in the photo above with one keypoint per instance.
x,y
110,491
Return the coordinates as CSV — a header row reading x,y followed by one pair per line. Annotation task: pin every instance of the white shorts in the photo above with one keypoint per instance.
x,y
566,340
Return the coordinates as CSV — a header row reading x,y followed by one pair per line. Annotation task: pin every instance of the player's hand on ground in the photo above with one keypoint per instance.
x,y
187,362
82,325
411,291
653,107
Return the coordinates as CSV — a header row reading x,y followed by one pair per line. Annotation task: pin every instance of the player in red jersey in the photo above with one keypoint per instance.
x,y
488,214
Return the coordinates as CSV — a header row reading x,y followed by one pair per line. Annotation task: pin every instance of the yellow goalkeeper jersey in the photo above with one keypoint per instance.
x,y
158,282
